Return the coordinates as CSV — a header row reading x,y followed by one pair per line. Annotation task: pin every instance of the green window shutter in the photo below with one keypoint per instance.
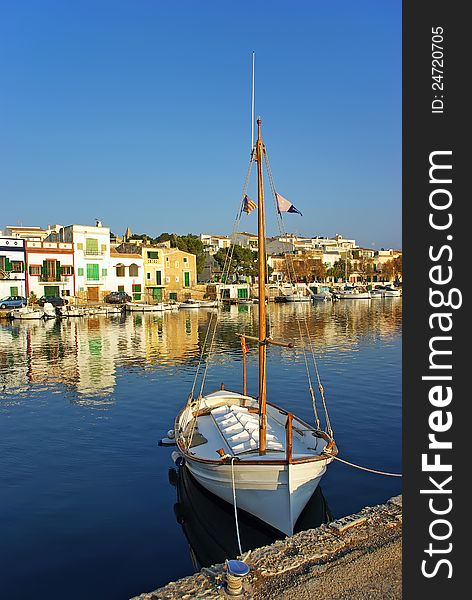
x,y
121,288
153,255
136,291
91,245
80,246
80,272
173,296
44,269
158,278
14,291
104,272
58,271
186,279
93,272
8,267
104,247
30,270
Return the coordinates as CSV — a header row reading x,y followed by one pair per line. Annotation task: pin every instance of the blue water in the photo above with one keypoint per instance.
x,y
86,509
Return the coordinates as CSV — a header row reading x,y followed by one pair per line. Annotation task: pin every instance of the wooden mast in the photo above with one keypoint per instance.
x,y
262,306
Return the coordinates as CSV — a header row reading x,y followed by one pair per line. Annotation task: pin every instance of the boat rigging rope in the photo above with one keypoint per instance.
x,y
234,504
346,462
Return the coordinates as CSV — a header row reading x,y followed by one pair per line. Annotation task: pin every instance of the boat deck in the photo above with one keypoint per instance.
x,y
236,430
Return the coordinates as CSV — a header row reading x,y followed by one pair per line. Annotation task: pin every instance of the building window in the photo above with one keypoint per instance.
x,y
66,292
158,278
104,247
167,279
176,279
186,279
17,266
148,275
104,272
185,259
35,269
153,255
120,271
80,272
14,291
91,246
67,270
121,288
136,291
92,272
80,246
133,270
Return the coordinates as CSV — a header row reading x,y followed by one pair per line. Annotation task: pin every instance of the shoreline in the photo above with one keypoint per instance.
x,y
355,557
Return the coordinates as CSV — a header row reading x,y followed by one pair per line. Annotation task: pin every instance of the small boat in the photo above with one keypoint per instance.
x,y
171,305
247,450
49,311
190,304
322,297
353,294
71,311
208,303
26,313
391,292
142,307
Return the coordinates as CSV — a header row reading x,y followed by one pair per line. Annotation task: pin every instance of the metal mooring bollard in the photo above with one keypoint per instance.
x,y
236,571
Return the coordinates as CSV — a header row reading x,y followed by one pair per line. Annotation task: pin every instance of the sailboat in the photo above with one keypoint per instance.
x,y
247,450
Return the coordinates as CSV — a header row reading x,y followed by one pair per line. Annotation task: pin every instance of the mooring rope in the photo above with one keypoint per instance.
x,y
346,462
234,504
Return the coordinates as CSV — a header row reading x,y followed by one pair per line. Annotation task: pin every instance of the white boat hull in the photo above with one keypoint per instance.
x,y
297,298
392,293
27,314
275,494
353,296
145,307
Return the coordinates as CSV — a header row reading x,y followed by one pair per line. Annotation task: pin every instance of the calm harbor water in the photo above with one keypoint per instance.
x,y
86,507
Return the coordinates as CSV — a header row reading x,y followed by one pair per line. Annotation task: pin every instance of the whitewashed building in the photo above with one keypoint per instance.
x,y
91,246
126,274
12,267
50,269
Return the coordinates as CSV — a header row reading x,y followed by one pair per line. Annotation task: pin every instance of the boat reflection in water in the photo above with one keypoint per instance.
x,y
209,525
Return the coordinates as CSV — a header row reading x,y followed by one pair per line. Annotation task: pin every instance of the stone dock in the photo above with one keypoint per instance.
x,y
356,558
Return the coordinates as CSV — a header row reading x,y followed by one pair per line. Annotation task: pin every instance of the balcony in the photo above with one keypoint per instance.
x,y
95,253
53,278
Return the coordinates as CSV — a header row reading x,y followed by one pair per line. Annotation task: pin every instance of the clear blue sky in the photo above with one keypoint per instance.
x,y
138,113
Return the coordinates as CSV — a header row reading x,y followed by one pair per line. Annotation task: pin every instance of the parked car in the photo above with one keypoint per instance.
x,y
117,298
13,302
54,300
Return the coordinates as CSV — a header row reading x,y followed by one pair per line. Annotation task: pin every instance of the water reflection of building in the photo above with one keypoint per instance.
x,y
84,354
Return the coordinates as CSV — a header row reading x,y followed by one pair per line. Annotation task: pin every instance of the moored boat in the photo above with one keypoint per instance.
x,y
26,313
247,450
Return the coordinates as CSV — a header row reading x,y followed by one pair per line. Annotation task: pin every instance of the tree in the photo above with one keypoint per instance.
x,y
338,270
387,270
243,261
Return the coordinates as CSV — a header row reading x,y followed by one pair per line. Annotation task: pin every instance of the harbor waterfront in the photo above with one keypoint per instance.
x,y
85,502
